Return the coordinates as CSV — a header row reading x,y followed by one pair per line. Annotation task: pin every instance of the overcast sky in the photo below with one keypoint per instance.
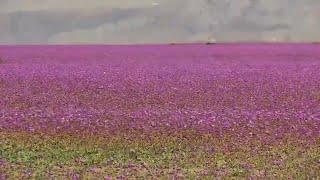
x,y
157,21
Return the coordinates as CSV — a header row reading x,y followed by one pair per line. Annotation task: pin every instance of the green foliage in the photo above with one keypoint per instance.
x,y
64,157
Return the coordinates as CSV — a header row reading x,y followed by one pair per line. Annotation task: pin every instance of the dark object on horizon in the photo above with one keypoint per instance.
x,y
210,41
1,60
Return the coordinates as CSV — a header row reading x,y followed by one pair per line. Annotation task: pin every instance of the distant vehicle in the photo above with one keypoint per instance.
x,y
211,41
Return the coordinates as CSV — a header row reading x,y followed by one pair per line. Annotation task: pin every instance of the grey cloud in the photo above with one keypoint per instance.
x,y
172,20
38,5
38,26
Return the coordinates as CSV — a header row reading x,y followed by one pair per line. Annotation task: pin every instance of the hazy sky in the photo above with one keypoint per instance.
x,y
157,21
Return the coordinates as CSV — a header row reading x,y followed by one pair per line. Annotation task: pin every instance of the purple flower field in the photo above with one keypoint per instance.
x,y
238,99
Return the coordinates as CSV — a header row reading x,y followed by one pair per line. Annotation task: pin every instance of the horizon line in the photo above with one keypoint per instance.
x,y
155,44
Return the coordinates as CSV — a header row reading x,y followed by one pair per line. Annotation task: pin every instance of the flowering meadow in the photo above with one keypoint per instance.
x,y
225,111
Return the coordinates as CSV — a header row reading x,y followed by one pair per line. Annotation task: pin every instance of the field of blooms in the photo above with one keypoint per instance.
x,y
160,111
